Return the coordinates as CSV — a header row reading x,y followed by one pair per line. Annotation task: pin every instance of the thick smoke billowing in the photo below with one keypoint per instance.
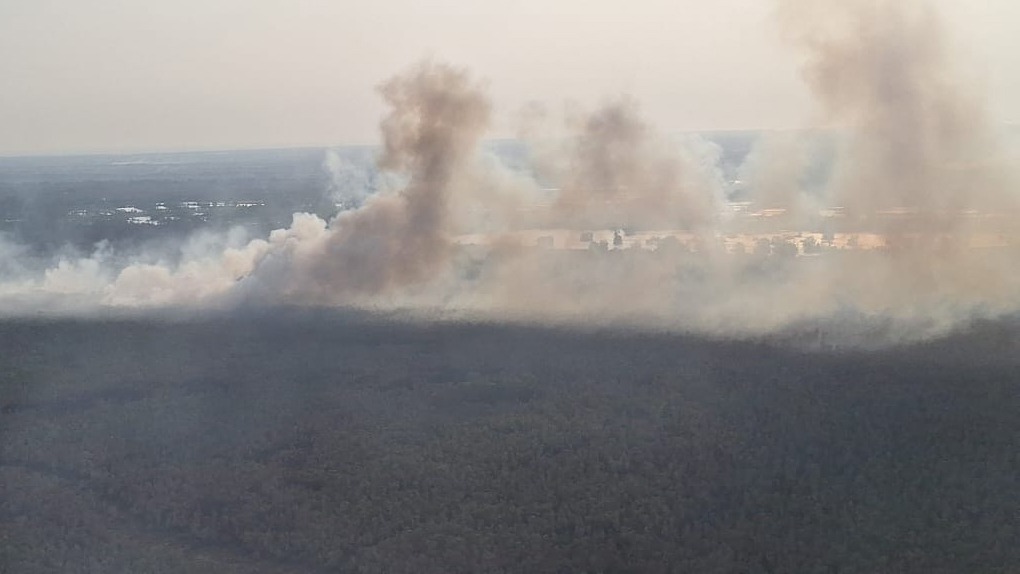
x,y
398,239
916,159
884,70
617,222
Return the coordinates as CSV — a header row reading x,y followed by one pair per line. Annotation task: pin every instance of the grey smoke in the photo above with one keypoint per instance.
x,y
884,69
919,140
401,238
613,170
914,173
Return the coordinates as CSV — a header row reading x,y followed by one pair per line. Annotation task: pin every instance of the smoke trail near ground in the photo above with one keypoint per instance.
x,y
617,222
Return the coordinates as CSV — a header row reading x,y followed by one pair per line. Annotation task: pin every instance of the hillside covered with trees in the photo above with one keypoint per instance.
x,y
299,442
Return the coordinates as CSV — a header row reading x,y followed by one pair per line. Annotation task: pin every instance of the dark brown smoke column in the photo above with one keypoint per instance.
x,y
438,114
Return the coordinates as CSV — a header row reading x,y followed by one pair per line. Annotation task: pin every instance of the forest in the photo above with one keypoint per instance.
x,y
300,441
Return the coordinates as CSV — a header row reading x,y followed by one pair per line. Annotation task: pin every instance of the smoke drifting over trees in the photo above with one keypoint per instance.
x,y
402,238
915,167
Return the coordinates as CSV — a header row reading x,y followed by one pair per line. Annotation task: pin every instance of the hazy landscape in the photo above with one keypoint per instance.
x,y
282,439
510,333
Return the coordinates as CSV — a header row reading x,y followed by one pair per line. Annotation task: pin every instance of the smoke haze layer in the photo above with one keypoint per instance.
x,y
615,222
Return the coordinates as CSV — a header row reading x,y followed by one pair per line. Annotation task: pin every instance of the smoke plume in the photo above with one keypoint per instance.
x,y
401,238
615,222
913,163
616,171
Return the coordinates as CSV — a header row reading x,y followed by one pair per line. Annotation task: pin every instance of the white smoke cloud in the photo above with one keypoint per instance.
x,y
352,180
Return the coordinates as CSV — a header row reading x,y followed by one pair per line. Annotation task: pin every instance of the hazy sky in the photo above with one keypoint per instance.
x,y
133,75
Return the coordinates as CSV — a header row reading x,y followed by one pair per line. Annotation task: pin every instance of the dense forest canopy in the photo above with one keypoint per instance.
x,y
310,442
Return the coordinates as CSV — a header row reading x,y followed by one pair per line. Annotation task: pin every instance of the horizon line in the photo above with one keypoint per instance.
x,y
297,147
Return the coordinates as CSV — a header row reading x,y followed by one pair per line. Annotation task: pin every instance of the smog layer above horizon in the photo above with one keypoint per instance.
x,y
109,76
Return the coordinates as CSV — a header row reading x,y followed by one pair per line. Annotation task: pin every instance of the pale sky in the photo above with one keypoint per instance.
x,y
144,75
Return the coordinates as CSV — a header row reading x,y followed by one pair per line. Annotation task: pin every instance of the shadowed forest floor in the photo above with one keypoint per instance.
x,y
305,442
